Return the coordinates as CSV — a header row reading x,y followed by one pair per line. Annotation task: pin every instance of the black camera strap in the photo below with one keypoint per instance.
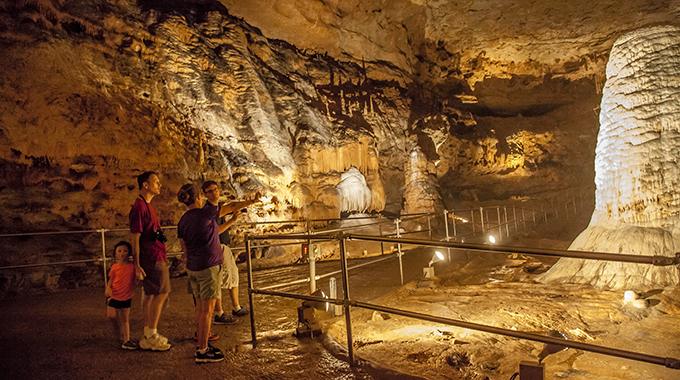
x,y
146,203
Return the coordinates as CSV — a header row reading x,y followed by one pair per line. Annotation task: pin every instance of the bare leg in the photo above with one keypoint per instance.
x,y
204,311
123,316
233,294
111,313
152,305
218,307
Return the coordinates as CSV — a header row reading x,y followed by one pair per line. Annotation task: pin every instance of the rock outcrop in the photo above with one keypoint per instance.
x,y
636,166
95,92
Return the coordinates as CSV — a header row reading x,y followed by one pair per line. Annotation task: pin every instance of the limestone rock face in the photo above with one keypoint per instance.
x,y
470,40
637,173
421,191
94,92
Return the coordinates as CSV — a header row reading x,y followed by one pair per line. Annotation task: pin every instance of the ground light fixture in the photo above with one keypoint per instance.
x,y
529,370
492,239
428,272
308,326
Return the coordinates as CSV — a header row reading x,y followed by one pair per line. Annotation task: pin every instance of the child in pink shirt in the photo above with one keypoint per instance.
x,y
119,290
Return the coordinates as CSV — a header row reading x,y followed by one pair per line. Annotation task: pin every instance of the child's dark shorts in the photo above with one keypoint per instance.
x,y
119,304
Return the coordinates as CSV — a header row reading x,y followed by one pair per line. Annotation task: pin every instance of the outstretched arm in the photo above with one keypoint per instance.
x,y
227,223
233,206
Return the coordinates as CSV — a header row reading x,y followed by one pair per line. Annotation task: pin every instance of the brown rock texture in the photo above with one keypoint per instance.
x,y
94,92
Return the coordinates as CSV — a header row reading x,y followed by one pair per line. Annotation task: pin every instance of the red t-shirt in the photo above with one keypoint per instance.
x,y
122,279
143,220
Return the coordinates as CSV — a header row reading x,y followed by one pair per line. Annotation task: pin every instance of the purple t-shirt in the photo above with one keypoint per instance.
x,y
198,228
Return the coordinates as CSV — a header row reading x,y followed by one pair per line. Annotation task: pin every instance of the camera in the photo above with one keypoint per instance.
x,y
158,235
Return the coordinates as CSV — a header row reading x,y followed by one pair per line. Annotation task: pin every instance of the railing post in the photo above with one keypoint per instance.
x,y
253,334
401,266
382,244
514,216
312,268
429,226
345,287
500,226
472,220
333,290
446,224
481,213
106,280
524,220
453,223
507,225
545,216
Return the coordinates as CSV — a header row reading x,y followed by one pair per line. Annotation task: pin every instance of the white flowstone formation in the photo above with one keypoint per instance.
x,y
353,190
421,191
637,173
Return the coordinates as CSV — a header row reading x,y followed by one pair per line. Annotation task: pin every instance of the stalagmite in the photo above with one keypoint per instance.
x,y
353,190
636,165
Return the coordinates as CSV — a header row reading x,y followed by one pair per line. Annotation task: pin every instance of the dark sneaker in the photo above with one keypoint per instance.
x,y
225,319
130,345
211,338
242,312
212,355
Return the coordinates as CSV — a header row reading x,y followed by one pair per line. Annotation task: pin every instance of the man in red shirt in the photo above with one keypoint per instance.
x,y
148,252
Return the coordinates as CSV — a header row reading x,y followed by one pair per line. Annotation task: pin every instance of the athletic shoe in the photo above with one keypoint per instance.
x,y
225,319
211,355
130,345
211,338
155,343
242,312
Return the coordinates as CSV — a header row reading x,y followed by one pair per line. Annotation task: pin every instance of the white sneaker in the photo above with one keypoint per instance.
x,y
155,343
162,338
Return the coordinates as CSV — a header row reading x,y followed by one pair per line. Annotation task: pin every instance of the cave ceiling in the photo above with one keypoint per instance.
x,y
433,40
486,99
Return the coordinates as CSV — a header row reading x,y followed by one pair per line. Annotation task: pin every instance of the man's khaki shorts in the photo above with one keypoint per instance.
x,y
230,272
157,279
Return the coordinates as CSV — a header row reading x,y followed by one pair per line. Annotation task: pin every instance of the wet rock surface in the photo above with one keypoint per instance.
x,y
505,294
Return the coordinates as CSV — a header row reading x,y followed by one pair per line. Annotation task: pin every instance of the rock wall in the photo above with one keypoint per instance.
x,y
95,92
637,174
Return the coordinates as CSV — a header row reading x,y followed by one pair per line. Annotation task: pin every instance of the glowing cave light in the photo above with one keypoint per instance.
x,y
439,255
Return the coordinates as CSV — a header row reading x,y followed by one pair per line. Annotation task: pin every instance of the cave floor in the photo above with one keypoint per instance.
x,y
65,335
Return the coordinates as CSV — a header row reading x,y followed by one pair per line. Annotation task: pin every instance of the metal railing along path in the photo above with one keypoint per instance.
x,y
346,302
104,258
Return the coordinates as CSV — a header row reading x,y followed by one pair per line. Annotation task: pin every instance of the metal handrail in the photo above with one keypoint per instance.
x,y
346,302
657,260
664,361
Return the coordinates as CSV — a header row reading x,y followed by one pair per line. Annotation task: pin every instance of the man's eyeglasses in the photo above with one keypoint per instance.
x,y
211,191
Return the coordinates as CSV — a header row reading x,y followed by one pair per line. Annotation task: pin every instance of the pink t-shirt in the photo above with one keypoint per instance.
x,y
122,279
143,220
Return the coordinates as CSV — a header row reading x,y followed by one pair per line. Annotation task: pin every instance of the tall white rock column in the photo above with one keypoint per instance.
x,y
637,201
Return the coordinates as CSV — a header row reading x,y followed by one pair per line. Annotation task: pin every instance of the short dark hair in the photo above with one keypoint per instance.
x,y
188,194
120,243
207,184
144,177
